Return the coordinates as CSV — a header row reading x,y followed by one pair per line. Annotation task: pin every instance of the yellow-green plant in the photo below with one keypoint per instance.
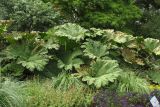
x,y
129,82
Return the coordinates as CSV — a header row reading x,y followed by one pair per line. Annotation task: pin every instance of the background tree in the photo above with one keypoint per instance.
x,y
30,15
99,13
5,8
149,24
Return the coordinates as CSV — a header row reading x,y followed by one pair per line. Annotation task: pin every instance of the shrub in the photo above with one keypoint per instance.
x,y
152,27
31,15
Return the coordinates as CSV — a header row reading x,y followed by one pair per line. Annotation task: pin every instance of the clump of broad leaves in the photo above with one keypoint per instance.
x,y
100,58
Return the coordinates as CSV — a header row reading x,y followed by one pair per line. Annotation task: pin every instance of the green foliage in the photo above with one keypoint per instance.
x,y
50,44
148,25
13,68
31,15
157,2
94,32
131,56
37,93
11,95
42,94
71,31
65,48
36,61
66,81
151,27
3,27
25,53
154,76
70,60
68,36
25,56
86,57
5,9
99,13
2,11
103,72
129,82
152,45
120,37
94,49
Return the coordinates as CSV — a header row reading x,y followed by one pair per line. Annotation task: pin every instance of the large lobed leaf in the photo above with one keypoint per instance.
x,y
16,50
71,31
94,49
152,45
154,76
16,69
103,72
131,56
94,32
35,61
26,56
118,36
70,60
